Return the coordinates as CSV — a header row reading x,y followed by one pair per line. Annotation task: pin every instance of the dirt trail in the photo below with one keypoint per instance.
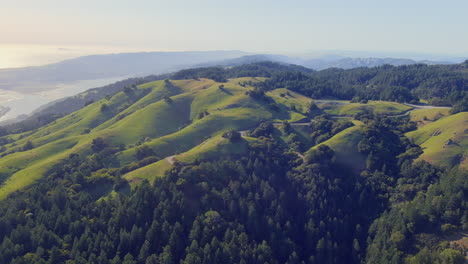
x,y
171,159
300,155
427,106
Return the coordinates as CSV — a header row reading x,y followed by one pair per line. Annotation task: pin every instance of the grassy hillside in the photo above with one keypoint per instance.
x,y
181,118
170,117
345,146
345,108
426,116
211,148
445,141
24,168
291,100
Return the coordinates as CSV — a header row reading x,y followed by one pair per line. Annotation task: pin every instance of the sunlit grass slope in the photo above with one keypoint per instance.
x,y
27,167
426,116
345,108
171,117
344,144
445,141
212,148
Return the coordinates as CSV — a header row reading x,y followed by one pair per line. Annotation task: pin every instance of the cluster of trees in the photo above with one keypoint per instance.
x,y
323,128
232,135
265,207
243,211
441,84
428,203
444,85
221,74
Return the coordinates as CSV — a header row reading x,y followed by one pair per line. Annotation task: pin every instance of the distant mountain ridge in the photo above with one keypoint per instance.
x,y
350,63
109,65
320,63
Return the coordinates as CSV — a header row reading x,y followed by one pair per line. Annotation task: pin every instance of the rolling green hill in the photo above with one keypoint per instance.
x,y
345,146
184,119
445,141
210,149
170,117
346,108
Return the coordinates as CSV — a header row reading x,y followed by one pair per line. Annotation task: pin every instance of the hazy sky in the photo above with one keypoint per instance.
x,y
426,26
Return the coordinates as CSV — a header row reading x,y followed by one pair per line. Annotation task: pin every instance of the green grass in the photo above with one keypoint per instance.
x,y
425,116
149,172
287,99
76,123
345,108
157,91
290,98
344,140
433,139
214,99
345,146
213,148
210,149
200,130
27,167
193,85
153,121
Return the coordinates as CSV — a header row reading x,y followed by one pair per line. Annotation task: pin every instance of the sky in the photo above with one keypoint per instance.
x,y
267,26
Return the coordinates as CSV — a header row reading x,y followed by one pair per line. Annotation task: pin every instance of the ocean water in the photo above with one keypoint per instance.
x,y
25,103
14,56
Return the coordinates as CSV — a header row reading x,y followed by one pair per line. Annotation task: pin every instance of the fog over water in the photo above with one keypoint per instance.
x,y
15,56
25,103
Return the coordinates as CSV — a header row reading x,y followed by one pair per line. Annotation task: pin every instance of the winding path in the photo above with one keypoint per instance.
x,y
427,106
417,107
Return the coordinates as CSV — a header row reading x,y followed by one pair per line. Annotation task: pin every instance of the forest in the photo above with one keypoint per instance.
x,y
437,84
268,206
